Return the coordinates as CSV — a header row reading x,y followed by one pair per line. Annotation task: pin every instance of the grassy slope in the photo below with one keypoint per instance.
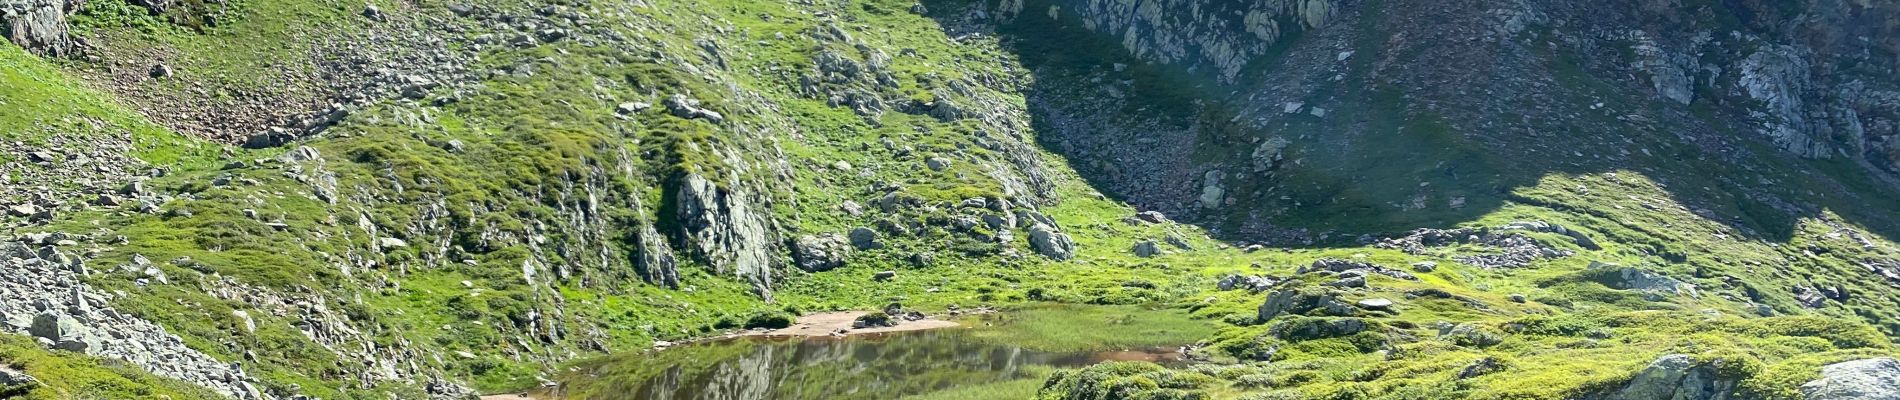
x,y
67,375
534,130
42,101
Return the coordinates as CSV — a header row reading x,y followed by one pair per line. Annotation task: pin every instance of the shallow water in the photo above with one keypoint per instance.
x,y
886,366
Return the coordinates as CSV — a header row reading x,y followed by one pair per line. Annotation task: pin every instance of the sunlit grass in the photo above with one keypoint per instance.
x,y
1074,328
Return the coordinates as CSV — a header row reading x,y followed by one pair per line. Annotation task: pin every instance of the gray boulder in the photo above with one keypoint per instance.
x,y
1343,266
1675,377
1629,278
1304,301
820,253
65,332
1049,243
1469,335
1869,379
1146,248
865,239
1254,284
681,106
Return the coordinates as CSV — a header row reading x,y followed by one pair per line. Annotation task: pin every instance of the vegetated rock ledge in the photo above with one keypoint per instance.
x,y
42,294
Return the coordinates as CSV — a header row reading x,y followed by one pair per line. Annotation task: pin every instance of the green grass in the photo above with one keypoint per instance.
x,y
1066,328
67,375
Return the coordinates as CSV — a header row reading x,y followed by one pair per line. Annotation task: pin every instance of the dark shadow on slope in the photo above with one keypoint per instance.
x,y
1388,154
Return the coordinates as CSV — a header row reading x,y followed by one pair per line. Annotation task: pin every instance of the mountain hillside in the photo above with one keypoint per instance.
x,y
265,199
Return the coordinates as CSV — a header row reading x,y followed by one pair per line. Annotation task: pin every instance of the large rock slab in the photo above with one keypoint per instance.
x,y
1869,379
1674,377
39,26
726,230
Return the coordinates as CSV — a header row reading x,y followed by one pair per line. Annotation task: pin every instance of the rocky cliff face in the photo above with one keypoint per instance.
x,y
1220,38
37,25
1311,85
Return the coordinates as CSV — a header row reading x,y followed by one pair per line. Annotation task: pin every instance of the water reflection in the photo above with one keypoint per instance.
x,y
879,367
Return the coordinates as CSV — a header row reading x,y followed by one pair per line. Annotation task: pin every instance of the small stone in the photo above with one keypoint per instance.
x,y
629,108
937,164
162,71
23,210
884,275
1146,248
865,239
1376,304
1518,298
1357,281
1424,266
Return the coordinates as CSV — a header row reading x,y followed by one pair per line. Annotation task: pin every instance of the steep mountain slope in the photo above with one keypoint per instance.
x,y
1472,199
1332,100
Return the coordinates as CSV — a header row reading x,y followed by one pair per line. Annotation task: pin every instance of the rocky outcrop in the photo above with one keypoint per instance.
x,y
1050,243
654,258
39,26
1218,36
1812,79
1674,376
819,253
1255,284
1652,284
12,380
1512,249
1335,265
1304,301
726,230
1869,379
